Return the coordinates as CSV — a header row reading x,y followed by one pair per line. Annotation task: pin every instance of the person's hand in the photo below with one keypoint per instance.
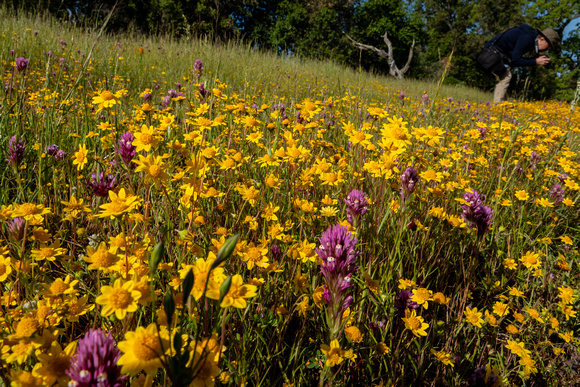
x,y
542,60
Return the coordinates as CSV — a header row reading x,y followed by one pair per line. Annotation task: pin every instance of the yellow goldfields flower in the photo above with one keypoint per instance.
x,y
30,212
415,323
473,316
75,207
55,363
238,293
80,157
522,195
443,357
120,204
5,268
143,350
106,99
50,253
145,139
353,334
421,296
154,169
119,299
334,355
518,348
102,258
531,260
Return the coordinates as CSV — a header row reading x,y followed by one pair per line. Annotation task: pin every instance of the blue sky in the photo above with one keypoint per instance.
x,y
570,27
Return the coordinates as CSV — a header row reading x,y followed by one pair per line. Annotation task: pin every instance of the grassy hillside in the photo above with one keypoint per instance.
x,y
179,213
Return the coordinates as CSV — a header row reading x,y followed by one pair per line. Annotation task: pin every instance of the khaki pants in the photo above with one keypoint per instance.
x,y
502,86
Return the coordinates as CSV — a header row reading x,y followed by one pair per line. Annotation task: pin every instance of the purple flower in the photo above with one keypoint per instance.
x,y
276,252
337,253
425,99
198,68
535,159
60,155
126,149
402,95
557,193
172,93
166,101
21,64
16,228
16,150
148,97
403,301
203,91
95,363
52,150
102,184
62,42
409,179
356,206
475,213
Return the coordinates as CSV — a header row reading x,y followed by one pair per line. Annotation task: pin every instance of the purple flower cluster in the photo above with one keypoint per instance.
x,y
338,265
356,206
403,301
16,228
203,92
54,151
102,184
16,148
557,193
126,148
95,363
409,180
475,213
21,64
198,68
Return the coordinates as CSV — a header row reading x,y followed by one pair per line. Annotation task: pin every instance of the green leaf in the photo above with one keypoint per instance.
x,y
156,256
169,306
225,251
225,288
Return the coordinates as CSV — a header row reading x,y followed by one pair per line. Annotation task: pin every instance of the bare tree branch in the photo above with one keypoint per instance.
x,y
393,69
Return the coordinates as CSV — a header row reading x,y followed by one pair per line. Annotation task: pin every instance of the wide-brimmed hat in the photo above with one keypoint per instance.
x,y
551,36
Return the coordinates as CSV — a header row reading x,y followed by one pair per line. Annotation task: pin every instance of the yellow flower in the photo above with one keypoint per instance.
x,y
238,293
531,260
529,365
415,323
522,195
60,287
145,139
473,316
143,350
200,276
512,330
373,285
119,299
120,204
406,284
5,268
74,206
510,264
421,296
566,240
55,363
381,348
518,348
80,157
102,258
30,211
255,255
443,357
353,333
334,355
106,99
440,298
500,308
154,169
50,253
568,295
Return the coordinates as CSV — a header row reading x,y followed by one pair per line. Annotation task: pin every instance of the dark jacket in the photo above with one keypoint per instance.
x,y
516,42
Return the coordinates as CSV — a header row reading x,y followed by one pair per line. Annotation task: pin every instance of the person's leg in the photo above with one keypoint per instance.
x,y
502,86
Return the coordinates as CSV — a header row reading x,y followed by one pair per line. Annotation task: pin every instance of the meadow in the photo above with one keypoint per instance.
x,y
189,213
